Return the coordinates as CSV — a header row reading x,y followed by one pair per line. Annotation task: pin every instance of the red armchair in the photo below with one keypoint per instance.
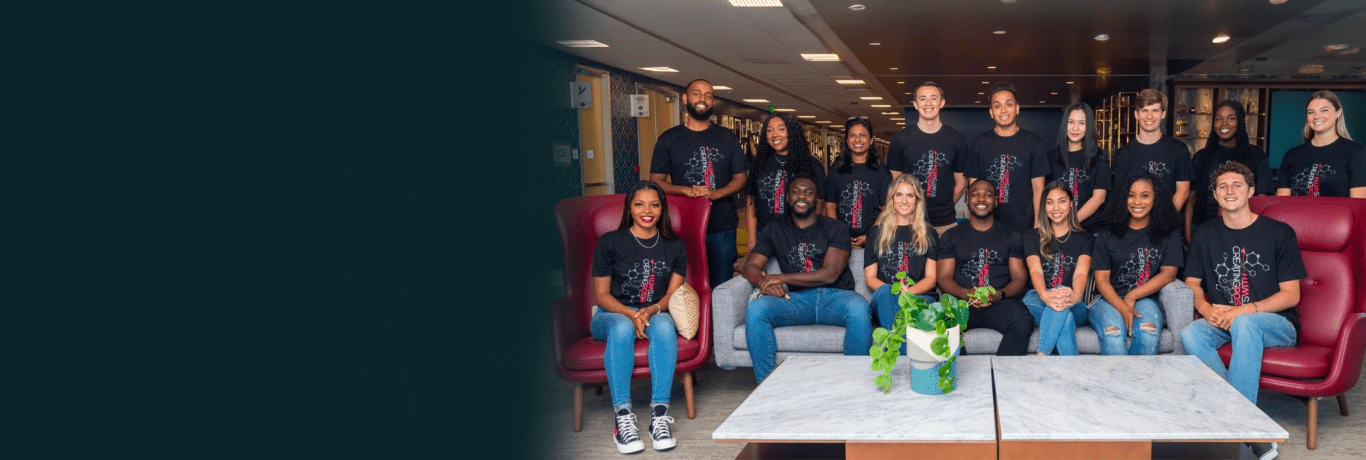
x,y
1327,359
578,357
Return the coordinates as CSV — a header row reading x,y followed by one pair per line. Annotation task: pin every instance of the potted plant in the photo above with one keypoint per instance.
x,y
933,330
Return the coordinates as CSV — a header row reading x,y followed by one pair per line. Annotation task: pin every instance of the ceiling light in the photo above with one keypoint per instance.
x,y
908,93
784,110
1069,82
881,106
1102,37
1055,93
1335,47
806,116
1350,51
986,83
901,124
582,43
871,98
976,102
821,57
1311,68
721,88
822,121
1007,1
659,69
1220,38
893,68
991,67
891,113
899,119
856,7
849,82
754,3
1000,32
1277,2
901,83
1041,102
981,93
875,44
755,100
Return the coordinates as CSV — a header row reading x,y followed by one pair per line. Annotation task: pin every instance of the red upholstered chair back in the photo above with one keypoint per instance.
x,y
582,220
1332,238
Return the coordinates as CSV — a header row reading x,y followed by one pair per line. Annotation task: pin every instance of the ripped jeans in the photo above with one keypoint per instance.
x,y
1146,332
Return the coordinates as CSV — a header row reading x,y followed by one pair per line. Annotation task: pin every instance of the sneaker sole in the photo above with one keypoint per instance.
x,y
630,448
664,445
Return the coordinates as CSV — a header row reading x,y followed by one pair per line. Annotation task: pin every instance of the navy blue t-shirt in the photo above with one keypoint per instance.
x,y
1011,162
640,274
981,258
802,250
901,255
1331,170
708,157
858,196
1133,259
1238,267
933,159
1061,263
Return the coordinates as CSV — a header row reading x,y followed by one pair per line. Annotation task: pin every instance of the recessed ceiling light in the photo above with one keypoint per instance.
x,y
1055,93
822,121
1350,51
908,93
871,98
891,113
849,82
721,88
1102,37
976,102
986,83
1041,102
893,68
991,67
901,124
1000,32
1220,38
1007,1
784,110
875,44
881,106
901,83
659,69
582,43
1069,82
755,100
1277,2
821,57
1335,47
1311,68
806,116
981,93
856,7
754,3
899,119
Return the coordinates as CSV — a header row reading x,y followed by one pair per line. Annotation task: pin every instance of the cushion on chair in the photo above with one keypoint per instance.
x,y
587,354
683,307
1300,362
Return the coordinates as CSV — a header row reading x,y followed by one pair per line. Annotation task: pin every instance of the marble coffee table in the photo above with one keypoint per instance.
x,y
1122,407
813,404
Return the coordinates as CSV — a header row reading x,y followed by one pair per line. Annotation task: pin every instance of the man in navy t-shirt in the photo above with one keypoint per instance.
x,y
1011,157
699,158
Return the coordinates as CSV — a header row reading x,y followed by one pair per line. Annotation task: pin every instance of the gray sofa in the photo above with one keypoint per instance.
x,y
728,324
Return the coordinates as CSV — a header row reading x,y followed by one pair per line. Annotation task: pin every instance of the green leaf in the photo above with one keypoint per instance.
x,y
896,288
944,369
940,328
883,380
875,352
940,346
900,276
879,334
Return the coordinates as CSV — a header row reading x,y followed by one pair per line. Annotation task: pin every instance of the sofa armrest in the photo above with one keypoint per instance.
x,y
728,311
1178,310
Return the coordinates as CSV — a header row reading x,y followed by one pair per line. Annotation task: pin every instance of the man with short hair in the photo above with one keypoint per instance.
x,y
699,158
815,286
1162,155
1250,267
1011,157
935,153
987,253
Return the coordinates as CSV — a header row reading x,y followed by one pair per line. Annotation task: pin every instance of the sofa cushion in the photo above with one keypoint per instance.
x,y
806,338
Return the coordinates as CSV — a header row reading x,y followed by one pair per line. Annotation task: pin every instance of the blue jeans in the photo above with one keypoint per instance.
x,y
721,257
1146,331
830,306
1056,328
620,334
1250,333
886,304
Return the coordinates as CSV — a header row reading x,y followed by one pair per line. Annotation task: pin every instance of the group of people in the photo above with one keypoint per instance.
x,y
1064,241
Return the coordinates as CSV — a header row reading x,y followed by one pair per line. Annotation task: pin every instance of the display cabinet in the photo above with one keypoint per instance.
x,y
1115,122
1192,109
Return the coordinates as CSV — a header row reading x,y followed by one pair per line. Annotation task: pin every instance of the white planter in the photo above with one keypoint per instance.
x,y
918,346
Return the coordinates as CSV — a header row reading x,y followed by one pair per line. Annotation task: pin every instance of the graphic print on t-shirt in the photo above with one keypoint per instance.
x,y
1307,181
1209,191
1158,169
978,268
1074,177
999,171
1136,271
772,188
700,166
644,277
1236,273
927,169
901,253
804,255
1055,267
852,206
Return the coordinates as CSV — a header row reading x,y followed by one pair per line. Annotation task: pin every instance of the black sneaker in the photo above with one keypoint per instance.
x,y
628,442
1263,450
660,438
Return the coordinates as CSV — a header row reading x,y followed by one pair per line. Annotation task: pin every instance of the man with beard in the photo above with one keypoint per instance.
x,y
698,158
815,285
987,253
1013,158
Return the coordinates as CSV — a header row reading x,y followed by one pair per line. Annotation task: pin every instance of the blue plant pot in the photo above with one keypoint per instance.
x,y
926,381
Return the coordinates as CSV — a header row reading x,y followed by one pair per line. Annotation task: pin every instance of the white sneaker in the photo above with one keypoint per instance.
x,y
1264,451
660,438
628,442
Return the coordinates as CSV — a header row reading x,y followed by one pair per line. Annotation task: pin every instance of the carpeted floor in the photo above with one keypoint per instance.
x,y
719,392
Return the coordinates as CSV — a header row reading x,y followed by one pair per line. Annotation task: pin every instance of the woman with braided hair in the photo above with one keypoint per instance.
x,y
782,153
1228,141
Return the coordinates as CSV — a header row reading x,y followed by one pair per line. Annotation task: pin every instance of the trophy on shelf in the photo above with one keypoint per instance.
x,y
1180,107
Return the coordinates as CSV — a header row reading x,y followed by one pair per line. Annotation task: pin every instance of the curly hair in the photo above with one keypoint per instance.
x,y
1162,219
798,152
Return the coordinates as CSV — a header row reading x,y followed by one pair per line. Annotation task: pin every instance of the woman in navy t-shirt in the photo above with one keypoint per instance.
x,y
636,270
1328,163
857,184
1058,254
902,240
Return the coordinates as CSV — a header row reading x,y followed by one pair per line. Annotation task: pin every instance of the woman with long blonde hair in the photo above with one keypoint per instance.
x,y
901,240
1329,162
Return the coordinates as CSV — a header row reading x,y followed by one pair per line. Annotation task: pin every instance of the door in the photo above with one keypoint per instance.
x,y
663,115
595,155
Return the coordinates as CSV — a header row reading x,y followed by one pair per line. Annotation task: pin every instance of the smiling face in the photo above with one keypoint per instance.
x,y
645,209
1076,126
928,101
1057,206
1322,116
858,140
777,135
1140,202
1225,123
982,199
903,201
1150,118
1004,108
1232,191
700,100
801,197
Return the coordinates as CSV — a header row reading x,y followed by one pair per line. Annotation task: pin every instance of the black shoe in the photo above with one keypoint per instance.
x,y
628,442
1263,450
660,438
